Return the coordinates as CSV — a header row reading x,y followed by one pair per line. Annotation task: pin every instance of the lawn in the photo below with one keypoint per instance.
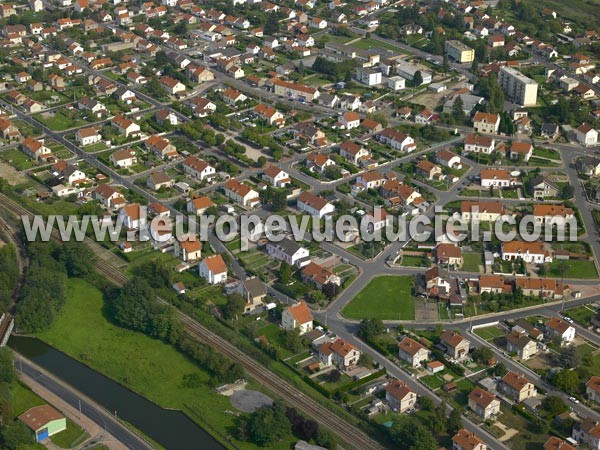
x,y
472,261
386,298
546,153
17,159
71,437
576,269
369,43
59,121
582,314
154,369
489,333
414,261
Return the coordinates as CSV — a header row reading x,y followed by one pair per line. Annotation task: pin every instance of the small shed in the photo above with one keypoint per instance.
x,y
44,421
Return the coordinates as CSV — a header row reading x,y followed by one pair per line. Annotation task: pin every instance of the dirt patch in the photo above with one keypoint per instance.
x,y
426,311
249,401
10,174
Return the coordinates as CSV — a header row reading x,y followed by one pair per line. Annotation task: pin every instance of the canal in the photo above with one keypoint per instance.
x,y
171,429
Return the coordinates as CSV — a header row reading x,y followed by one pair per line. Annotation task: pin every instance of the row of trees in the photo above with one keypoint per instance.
x,y
196,130
9,274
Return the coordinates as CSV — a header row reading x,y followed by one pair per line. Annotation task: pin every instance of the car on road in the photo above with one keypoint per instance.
x,y
568,319
573,399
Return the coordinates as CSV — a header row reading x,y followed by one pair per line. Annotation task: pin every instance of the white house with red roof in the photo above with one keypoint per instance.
x,y
213,269
197,168
297,317
276,177
314,205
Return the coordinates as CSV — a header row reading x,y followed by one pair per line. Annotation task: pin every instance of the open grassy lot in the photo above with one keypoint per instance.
x,y
17,159
368,43
59,121
472,261
576,269
582,314
154,369
489,333
414,261
385,297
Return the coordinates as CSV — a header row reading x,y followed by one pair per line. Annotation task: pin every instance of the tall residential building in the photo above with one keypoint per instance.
x,y
517,87
459,52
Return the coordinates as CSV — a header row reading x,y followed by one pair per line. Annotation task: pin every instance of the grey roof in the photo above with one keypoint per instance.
x,y
289,247
255,287
549,128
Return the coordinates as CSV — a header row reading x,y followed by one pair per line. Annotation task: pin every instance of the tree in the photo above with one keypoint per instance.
x,y
483,354
566,380
330,290
568,357
554,405
458,111
7,369
268,425
14,435
370,328
292,341
285,273
234,307
324,438
334,376
567,192
78,258
499,370
418,78
445,64
366,360
425,403
454,422
410,434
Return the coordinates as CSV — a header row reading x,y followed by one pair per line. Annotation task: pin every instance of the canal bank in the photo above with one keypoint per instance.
x,y
170,429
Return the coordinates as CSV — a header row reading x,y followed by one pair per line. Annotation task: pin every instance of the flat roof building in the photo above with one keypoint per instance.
x,y
517,87
459,52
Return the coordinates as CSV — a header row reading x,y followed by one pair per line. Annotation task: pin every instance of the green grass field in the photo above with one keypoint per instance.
x,y
413,261
59,121
17,159
489,333
153,369
386,298
472,261
576,269
582,314
368,43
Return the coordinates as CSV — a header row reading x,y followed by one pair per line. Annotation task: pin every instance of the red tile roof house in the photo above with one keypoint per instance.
x,y
298,317
412,352
319,276
399,396
465,440
340,353
213,269
188,249
197,168
483,403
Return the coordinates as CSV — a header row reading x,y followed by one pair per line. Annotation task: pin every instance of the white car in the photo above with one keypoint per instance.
x,y
573,399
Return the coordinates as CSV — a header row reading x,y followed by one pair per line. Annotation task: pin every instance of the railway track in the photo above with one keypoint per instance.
x,y
308,406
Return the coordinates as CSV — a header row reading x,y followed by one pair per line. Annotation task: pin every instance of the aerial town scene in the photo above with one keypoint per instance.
x,y
299,224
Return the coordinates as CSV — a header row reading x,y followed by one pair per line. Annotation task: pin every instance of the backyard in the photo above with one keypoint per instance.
x,y
575,269
386,298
